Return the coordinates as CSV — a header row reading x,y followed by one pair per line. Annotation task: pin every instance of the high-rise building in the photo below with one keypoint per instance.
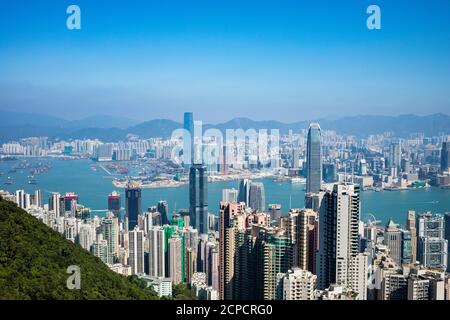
x,y
100,248
275,213
110,234
296,284
132,205
70,202
86,236
432,248
447,237
164,211
314,159
339,236
136,246
411,227
38,198
257,197
20,198
395,155
198,197
157,250
393,240
54,204
114,203
244,191
445,156
230,195
175,260
301,229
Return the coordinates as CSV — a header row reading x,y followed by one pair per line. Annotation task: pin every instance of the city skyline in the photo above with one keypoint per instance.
x,y
315,60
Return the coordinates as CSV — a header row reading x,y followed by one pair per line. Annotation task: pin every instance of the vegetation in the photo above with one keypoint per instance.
x,y
34,260
182,292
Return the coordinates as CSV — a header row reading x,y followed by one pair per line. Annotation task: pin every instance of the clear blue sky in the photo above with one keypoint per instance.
x,y
284,60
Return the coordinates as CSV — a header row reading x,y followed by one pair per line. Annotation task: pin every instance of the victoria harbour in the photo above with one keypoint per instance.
x,y
93,186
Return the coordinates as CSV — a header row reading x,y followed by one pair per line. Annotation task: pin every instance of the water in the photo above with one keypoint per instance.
x,y
94,186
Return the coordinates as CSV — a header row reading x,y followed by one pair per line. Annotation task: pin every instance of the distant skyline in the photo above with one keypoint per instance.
x,y
280,60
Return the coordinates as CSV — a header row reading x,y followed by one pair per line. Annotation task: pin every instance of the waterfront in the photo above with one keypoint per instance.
x,y
93,186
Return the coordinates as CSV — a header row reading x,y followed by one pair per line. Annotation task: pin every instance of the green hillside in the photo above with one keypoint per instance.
x,y
34,260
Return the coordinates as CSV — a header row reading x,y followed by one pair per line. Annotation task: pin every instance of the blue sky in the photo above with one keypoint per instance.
x,y
284,60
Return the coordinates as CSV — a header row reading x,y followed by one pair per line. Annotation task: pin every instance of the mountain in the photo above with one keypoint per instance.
x,y
113,129
34,260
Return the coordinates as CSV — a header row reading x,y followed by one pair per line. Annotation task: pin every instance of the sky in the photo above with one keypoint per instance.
x,y
280,60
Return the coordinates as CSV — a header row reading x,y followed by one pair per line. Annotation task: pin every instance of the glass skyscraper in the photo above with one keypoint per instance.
x,y
314,159
133,205
198,197
188,139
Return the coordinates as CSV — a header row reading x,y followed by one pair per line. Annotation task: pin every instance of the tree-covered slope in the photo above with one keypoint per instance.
x,y
34,260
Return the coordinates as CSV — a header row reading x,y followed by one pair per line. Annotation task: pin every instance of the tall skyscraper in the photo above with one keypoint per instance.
x,y
54,204
275,213
393,240
244,191
38,198
111,235
337,260
164,211
411,227
447,236
114,203
432,248
157,250
198,197
136,246
132,205
445,156
395,155
175,260
313,159
257,197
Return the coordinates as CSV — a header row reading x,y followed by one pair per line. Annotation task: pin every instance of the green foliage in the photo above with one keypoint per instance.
x,y
181,292
34,260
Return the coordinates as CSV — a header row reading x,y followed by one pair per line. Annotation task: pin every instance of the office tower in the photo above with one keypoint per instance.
x,y
164,211
447,236
244,191
54,204
275,213
198,197
313,159
157,249
132,205
70,202
190,264
20,199
406,254
175,259
136,245
301,230
313,200
100,248
339,234
445,156
357,275
432,248
110,234
114,203
411,227
296,284
38,198
227,250
257,197
393,240
213,268
230,195
295,163
188,139
86,236
395,155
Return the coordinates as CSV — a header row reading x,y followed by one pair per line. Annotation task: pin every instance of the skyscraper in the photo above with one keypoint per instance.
x,y
157,250
432,248
337,260
114,203
447,236
163,210
244,191
229,195
136,245
133,205
445,156
275,213
257,197
175,260
313,159
395,155
198,197
411,227
296,284
111,235
393,240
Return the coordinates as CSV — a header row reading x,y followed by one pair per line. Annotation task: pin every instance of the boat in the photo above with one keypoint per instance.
x,y
9,181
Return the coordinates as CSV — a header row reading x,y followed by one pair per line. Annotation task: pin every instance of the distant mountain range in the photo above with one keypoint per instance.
x,y
15,125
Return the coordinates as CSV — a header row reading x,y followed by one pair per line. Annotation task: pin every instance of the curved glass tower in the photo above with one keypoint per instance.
x,y
313,159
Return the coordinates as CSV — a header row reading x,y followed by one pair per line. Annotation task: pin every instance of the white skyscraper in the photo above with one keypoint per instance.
x,y
156,252
136,245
